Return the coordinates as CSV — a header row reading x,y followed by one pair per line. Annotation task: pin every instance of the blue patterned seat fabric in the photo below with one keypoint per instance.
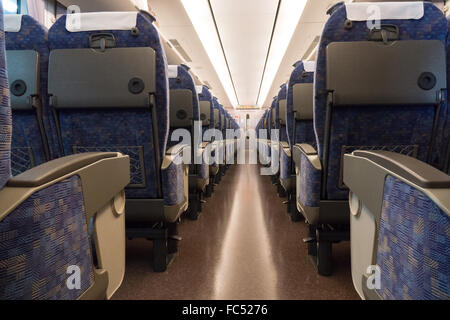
x,y
285,163
216,107
413,245
46,233
184,80
405,129
5,113
272,115
28,143
223,121
205,95
282,95
129,130
304,131
41,239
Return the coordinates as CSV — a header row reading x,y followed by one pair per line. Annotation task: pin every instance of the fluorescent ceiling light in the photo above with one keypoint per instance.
x,y
288,19
200,15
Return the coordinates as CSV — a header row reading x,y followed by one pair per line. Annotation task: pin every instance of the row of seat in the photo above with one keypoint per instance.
x,y
371,120
95,109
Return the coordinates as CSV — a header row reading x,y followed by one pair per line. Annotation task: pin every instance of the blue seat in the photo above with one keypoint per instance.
x,y
44,218
280,125
218,122
263,139
185,114
355,111
122,109
299,127
207,118
35,140
273,140
400,223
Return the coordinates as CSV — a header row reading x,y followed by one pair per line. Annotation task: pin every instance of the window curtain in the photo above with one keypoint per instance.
x,y
36,9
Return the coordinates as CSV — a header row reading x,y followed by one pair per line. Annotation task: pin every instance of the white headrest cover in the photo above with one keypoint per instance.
x,y
141,4
173,72
96,21
366,11
13,22
310,66
199,89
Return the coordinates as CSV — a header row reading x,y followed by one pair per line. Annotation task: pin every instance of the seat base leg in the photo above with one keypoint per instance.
x,y
194,209
312,245
209,189
324,258
160,252
173,239
281,192
293,212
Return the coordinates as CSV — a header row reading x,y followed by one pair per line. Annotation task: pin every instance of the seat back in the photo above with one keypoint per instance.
x,y
5,113
122,109
300,105
281,112
35,137
355,107
265,124
184,104
271,125
206,108
223,122
217,114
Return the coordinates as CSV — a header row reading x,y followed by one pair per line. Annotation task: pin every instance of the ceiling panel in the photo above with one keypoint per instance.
x,y
174,23
310,26
245,28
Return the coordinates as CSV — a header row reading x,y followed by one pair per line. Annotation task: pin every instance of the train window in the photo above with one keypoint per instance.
x,y
14,6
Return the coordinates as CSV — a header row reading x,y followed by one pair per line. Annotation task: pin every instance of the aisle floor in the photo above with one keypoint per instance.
x,y
243,246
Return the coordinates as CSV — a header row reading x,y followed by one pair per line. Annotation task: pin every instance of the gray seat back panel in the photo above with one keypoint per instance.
x,y
205,112
85,78
356,78
181,108
216,118
303,101
23,65
282,111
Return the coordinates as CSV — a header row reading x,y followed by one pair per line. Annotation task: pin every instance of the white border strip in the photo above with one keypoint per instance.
x,y
13,22
96,21
366,11
310,66
173,72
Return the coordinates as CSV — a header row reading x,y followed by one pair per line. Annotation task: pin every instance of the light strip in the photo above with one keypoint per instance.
x,y
288,19
200,15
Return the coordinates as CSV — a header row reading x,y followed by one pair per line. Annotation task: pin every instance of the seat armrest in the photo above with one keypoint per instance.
x,y
55,169
173,153
205,144
103,178
409,168
287,151
309,152
365,174
284,144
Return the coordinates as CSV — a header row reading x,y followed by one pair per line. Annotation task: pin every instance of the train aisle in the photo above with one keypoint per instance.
x,y
243,246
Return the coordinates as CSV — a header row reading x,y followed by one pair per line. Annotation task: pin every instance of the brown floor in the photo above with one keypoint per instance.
x,y
242,247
